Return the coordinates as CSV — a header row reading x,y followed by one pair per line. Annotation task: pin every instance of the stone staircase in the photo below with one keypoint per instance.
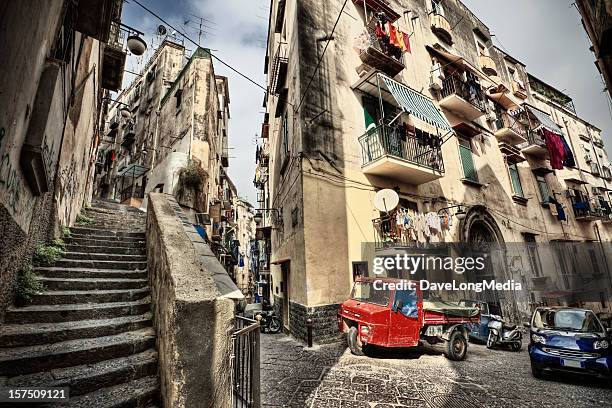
x,y
91,329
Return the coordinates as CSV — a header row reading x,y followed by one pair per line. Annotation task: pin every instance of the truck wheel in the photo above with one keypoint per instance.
x,y
353,341
456,347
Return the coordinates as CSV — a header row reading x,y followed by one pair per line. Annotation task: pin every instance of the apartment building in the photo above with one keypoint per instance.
x,y
597,21
168,132
413,96
60,59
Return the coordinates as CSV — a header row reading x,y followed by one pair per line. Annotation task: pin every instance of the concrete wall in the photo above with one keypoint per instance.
x,y
193,322
29,29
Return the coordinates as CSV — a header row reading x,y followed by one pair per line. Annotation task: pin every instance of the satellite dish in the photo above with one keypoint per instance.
x,y
386,200
161,30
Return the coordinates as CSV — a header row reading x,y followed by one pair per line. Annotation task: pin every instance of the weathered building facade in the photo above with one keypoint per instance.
x,y
63,55
472,126
597,21
174,138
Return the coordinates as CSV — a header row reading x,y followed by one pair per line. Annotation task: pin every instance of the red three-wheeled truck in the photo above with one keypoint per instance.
x,y
389,312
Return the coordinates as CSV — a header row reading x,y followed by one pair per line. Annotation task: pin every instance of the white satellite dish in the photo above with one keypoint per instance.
x,y
386,200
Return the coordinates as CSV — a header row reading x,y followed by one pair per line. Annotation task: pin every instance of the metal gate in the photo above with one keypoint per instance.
x,y
245,364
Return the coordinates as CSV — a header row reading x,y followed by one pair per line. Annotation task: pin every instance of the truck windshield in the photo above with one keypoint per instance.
x,y
568,320
365,292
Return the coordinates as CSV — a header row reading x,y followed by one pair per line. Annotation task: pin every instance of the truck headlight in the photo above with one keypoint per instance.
x,y
601,344
538,339
365,330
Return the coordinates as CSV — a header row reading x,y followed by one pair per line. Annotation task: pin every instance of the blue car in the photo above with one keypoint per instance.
x,y
480,331
571,340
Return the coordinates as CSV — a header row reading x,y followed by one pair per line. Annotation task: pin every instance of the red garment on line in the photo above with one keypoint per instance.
x,y
555,148
407,42
379,31
393,35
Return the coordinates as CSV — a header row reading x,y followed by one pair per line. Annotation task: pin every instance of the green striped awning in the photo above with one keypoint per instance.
x,y
416,104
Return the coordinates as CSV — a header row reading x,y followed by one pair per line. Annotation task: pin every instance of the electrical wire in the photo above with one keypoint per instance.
x,y
329,38
197,45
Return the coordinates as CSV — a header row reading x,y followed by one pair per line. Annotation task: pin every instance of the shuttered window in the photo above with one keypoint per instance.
x,y
543,187
516,179
467,160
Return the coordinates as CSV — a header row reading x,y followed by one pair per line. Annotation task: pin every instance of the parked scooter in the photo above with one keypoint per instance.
x,y
268,321
501,333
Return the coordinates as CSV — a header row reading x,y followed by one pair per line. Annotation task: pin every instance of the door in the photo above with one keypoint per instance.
x,y
286,292
404,321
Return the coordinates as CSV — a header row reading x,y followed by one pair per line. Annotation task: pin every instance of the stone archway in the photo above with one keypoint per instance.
x,y
479,227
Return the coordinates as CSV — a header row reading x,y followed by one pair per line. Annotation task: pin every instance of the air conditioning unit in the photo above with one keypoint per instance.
x,y
571,193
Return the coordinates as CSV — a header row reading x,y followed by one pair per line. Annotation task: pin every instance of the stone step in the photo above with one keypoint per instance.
x,y
87,378
140,393
139,238
73,312
104,242
89,273
107,249
44,357
92,283
19,335
104,257
63,297
100,264
99,232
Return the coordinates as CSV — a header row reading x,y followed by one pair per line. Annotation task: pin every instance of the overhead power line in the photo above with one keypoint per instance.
x,y
197,45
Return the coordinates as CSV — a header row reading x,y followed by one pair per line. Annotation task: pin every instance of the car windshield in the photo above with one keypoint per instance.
x,y
570,320
365,292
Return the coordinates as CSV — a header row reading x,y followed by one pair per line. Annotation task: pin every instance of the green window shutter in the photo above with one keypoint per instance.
x,y
370,110
543,187
467,160
516,179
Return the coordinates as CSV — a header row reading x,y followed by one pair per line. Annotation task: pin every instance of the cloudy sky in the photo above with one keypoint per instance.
x,y
546,35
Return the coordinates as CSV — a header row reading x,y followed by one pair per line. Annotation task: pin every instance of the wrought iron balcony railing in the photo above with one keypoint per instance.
x,y
387,141
471,92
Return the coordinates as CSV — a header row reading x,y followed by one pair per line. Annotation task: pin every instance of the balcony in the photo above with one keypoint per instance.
x,y
113,62
488,65
510,130
519,90
606,173
388,152
441,28
379,57
462,98
280,64
379,6
598,141
535,145
584,212
595,169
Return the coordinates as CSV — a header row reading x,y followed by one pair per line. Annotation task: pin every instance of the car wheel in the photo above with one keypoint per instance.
x,y
536,372
353,341
456,347
275,325
490,340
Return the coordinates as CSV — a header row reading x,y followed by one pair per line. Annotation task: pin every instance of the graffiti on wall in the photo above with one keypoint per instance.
x,y
10,182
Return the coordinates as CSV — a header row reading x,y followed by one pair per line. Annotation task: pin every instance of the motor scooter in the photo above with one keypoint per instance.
x,y
504,334
268,321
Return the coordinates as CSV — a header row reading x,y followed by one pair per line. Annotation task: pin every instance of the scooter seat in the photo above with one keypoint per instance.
x,y
509,326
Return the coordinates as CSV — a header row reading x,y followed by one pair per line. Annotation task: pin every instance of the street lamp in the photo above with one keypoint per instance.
x,y
460,213
258,217
136,45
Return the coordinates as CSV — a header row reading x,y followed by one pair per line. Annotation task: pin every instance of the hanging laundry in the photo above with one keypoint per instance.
x,y
407,43
379,31
400,41
559,212
392,35
555,149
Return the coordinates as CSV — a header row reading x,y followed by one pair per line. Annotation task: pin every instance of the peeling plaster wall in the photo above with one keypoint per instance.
x,y
28,31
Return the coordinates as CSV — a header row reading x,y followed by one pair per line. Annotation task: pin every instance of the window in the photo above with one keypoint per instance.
x,y
543,189
285,131
179,98
532,251
360,269
436,7
515,178
467,160
482,49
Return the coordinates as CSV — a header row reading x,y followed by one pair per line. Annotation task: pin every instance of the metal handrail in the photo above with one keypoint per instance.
x,y
471,92
245,364
386,141
510,122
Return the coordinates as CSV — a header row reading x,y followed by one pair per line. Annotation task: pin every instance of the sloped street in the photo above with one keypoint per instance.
x,y
331,377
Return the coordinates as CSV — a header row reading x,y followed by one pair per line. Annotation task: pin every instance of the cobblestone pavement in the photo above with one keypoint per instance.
x,y
330,376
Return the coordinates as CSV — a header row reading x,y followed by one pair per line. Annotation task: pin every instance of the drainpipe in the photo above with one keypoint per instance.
x,y
193,85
